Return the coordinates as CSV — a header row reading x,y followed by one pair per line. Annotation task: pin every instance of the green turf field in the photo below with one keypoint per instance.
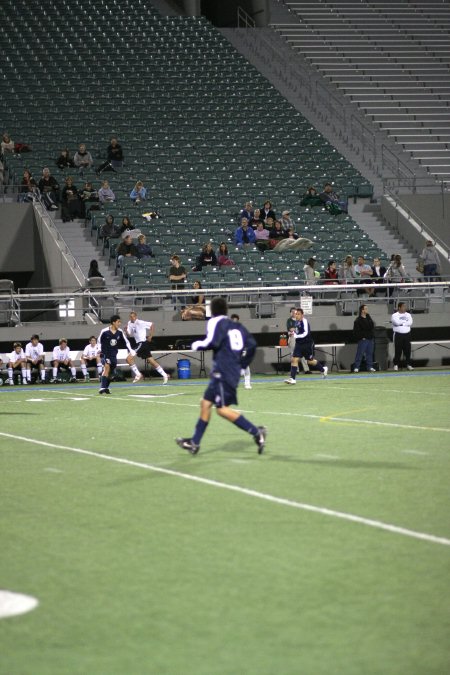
x,y
329,554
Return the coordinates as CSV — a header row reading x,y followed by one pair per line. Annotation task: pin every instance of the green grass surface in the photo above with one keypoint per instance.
x,y
140,572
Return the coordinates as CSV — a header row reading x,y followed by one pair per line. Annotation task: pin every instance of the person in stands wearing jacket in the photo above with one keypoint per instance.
x,y
244,234
363,330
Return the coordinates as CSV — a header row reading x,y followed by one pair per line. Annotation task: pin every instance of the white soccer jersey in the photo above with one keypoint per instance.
x,y
138,329
91,352
14,356
34,352
61,354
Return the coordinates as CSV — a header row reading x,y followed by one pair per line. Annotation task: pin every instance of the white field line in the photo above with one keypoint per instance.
x,y
431,538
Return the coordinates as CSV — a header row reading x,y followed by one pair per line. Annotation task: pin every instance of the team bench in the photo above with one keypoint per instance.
x,y
329,348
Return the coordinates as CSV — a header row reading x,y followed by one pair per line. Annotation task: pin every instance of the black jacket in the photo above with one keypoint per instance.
x,y
363,328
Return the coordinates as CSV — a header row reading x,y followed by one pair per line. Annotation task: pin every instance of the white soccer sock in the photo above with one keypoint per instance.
x,y
10,373
84,369
28,374
24,375
73,371
99,368
161,371
43,374
55,373
135,369
247,375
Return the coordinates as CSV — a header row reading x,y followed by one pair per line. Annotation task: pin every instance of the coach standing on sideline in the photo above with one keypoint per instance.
x,y
401,325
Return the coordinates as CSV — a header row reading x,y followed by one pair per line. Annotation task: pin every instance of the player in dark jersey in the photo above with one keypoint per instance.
x,y
233,348
304,347
111,339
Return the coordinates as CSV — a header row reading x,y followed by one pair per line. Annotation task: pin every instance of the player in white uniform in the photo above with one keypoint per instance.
x,y
245,371
35,357
61,359
17,361
91,357
137,329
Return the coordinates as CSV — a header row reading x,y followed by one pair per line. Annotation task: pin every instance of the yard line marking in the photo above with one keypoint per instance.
x,y
326,456
180,393
414,452
377,524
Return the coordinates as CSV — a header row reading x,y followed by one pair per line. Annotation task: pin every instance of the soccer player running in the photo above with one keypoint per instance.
x,y
244,371
233,348
112,339
304,347
137,329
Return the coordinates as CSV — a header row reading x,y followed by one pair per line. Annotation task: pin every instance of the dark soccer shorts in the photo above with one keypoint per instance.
x,y
91,363
111,360
220,393
143,350
303,350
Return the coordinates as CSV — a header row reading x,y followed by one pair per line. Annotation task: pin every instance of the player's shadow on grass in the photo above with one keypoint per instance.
x,y
344,463
2,412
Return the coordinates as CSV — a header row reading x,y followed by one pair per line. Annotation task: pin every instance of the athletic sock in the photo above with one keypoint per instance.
x,y
245,424
28,374
99,368
135,370
43,374
200,429
74,372
55,373
161,371
84,369
104,384
24,375
10,373
293,372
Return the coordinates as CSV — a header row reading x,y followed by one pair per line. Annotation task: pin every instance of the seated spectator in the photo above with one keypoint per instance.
x,y
262,235
396,272
347,274
196,310
431,262
286,221
88,193
105,194
364,273
144,251
109,230
28,190
126,225
64,160
267,211
311,198
177,273
17,362
7,145
247,212
71,204
331,274
49,188
138,193
114,157
91,358
310,273
126,249
255,218
62,359
207,257
378,271
223,259
94,271
82,159
333,203
276,234
244,235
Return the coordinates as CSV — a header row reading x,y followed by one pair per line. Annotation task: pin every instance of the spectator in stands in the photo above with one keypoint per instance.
x,y
310,274
196,310
247,212
255,218
144,250
88,193
82,159
262,235
332,201
431,262
94,271
114,157
244,235
28,190
276,233
17,362
207,257
109,230
105,194
267,211
126,225
64,160
7,145
177,273
49,188
347,274
71,204
311,198
139,193
286,221
331,273
396,272
378,271
223,258
364,274
62,359
126,249
35,357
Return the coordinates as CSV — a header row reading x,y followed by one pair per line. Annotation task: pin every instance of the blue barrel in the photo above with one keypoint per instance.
x,y
184,369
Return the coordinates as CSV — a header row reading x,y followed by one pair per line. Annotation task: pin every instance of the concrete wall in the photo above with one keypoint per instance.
x,y
434,210
17,233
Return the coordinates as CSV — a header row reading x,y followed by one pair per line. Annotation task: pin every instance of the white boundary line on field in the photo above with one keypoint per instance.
x,y
242,490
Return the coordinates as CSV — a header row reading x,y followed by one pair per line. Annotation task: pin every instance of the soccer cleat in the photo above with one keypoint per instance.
x,y
356,370
290,380
188,444
54,380
10,382
73,379
325,372
104,391
87,378
372,370
409,368
165,378
395,367
138,378
260,439
247,386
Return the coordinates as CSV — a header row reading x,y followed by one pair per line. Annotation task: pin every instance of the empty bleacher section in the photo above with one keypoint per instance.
x,y
391,60
198,124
